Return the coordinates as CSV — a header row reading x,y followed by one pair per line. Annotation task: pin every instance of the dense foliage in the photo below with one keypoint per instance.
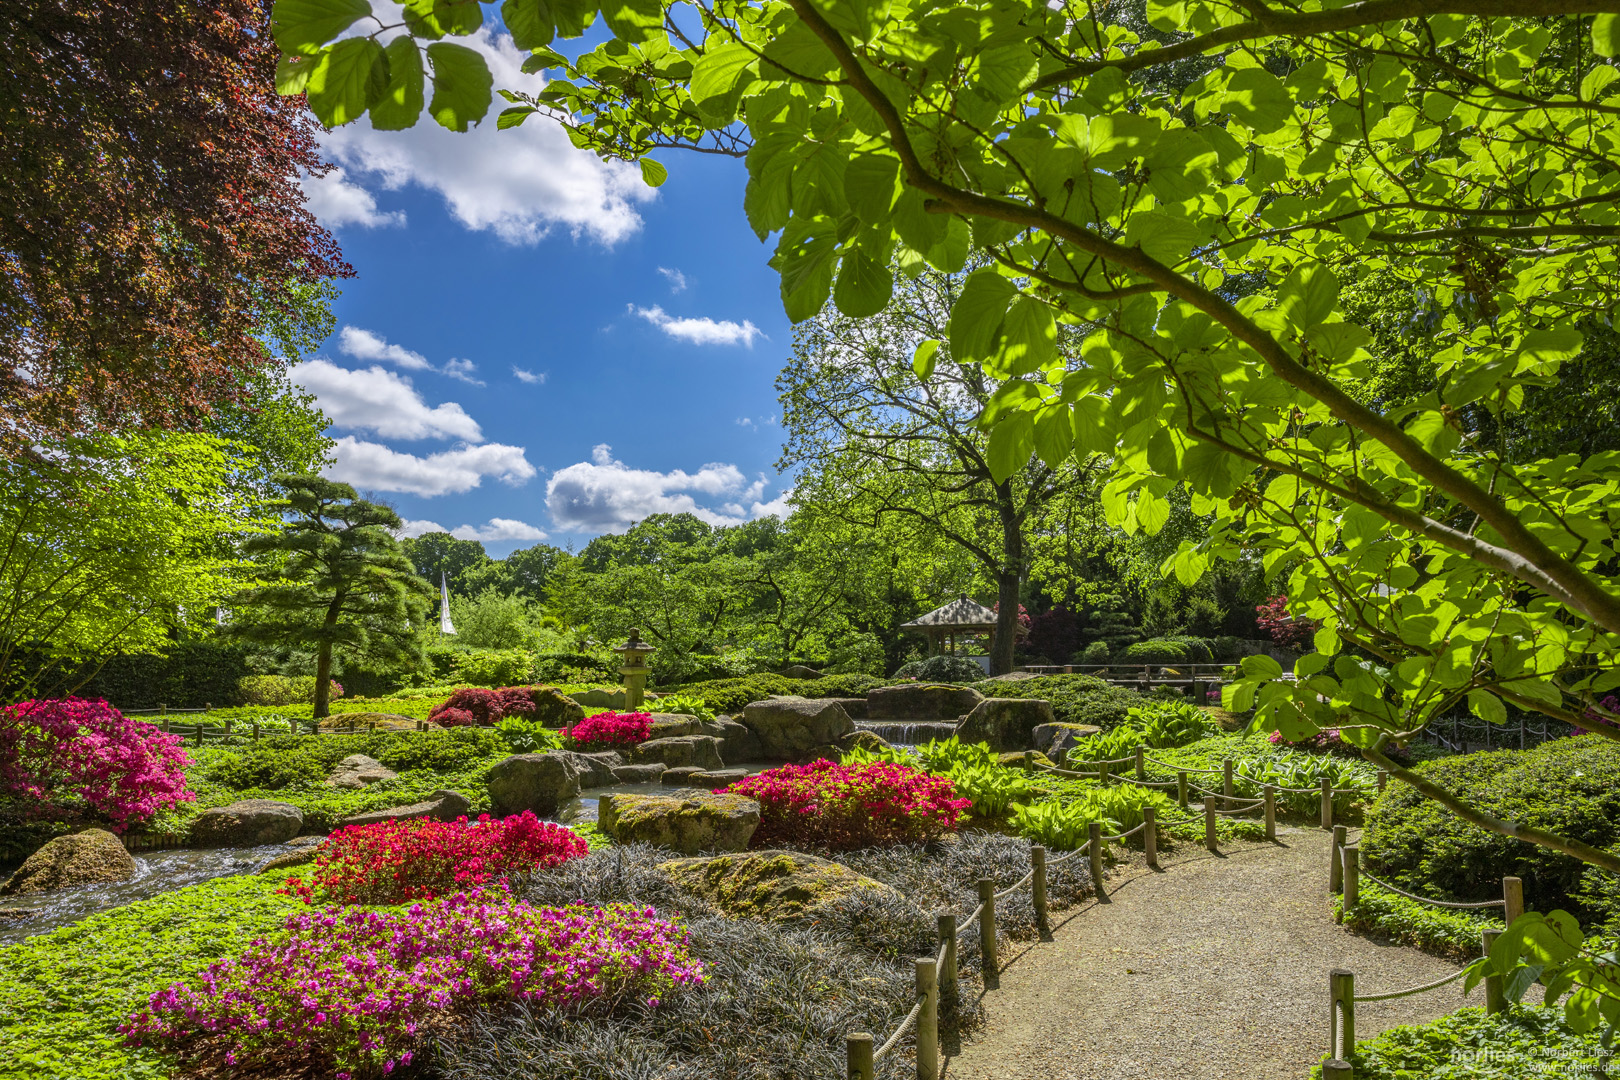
x,y
1569,786
1442,931
1076,699
421,859
281,690
88,753
1471,1044
353,990
842,807
482,708
942,669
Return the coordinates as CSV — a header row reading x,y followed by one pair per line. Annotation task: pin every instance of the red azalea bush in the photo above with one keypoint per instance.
x,y
394,861
357,989
843,807
1291,632
124,770
609,731
483,708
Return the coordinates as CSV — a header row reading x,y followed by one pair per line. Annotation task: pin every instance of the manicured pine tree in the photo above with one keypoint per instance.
x,y
343,581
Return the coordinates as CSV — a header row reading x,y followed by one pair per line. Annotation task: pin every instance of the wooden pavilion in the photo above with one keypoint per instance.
x,y
943,625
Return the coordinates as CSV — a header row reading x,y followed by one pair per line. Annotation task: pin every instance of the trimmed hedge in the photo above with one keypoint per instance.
x,y
1076,699
942,669
1570,787
730,695
1169,650
189,675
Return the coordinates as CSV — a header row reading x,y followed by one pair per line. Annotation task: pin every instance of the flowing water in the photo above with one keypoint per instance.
x,y
908,732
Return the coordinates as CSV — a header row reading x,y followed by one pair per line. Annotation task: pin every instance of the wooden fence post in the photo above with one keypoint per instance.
x,y
198,730
947,938
1209,825
255,731
1271,812
1181,789
1096,844
1029,762
1150,836
1383,780
1141,762
1352,878
927,1022
1495,1001
1513,899
1226,784
987,925
1037,863
1327,803
1102,774
1336,1069
1336,861
1341,1013
858,1056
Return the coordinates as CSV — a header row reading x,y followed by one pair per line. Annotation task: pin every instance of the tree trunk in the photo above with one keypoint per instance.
x,y
323,681
1008,580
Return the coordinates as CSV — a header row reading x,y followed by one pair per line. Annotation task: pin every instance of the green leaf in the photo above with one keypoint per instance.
x,y
653,173
1012,440
872,185
433,19
1054,435
716,79
514,117
350,76
922,361
529,22
1308,295
1605,34
293,72
977,315
401,102
634,21
1166,237
303,26
461,85
1258,98
1029,338
805,257
1327,641
797,51
864,285
1261,666
573,17
1151,512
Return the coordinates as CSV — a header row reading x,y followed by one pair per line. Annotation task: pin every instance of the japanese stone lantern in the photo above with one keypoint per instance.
x,y
634,668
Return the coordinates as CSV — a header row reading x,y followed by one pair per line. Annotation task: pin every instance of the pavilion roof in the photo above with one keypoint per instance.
x,y
960,614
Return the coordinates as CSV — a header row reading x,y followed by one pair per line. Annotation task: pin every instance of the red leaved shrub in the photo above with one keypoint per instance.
x,y
483,708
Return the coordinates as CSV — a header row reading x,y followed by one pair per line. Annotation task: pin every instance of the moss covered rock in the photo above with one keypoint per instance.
x,y
1058,739
921,701
554,708
796,729
863,740
371,721
85,858
1007,723
712,822
777,886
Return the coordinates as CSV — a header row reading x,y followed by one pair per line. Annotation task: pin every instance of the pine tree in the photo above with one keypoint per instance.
x,y
342,582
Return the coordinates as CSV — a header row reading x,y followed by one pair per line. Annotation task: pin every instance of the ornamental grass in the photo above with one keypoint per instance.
x,y
419,859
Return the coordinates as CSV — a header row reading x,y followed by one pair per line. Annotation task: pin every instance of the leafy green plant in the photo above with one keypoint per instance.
x,y
527,736
1441,931
1351,781
1552,951
990,788
1108,746
1059,825
680,704
730,695
1169,724
493,667
1124,803
1076,699
943,755
899,755
1470,1044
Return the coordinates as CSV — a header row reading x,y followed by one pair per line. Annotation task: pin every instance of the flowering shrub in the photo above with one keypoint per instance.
x,y
1290,632
356,988
485,708
393,861
123,769
609,731
842,807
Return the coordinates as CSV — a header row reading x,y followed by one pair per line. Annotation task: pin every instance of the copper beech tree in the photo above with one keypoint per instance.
x,y
151,218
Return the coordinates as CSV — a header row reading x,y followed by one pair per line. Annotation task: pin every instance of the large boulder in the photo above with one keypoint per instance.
x,y
554,708
799,671
855,706
370,721
247,823
358,771
863,740
796,729
680,751
673,725
1056,740
786,886
711,822
442,805
1006,723
738,743
84,858
538,782
595,768
597,698
639,774
921,701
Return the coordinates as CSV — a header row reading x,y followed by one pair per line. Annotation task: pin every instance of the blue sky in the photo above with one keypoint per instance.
x,y
537,346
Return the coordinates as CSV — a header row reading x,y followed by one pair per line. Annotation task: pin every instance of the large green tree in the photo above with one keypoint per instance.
x,y
342,583
1200,241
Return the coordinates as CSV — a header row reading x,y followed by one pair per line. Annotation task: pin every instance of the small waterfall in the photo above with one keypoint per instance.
x,y
908,732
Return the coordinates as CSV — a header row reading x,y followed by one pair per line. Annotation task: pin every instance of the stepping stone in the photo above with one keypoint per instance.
x,y
716,778
679,777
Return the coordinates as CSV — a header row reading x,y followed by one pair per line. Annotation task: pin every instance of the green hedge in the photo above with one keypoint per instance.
x,y
1441,931
1076,699
190,675
1169,650
730,695
1570,787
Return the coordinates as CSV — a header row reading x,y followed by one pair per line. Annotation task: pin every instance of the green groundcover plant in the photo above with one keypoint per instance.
x,y
1516,1044
1441,931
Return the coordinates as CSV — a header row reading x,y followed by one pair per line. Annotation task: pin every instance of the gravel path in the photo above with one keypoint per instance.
x,y
1213,969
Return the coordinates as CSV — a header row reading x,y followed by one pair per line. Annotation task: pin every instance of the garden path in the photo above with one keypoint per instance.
x,y
1215,968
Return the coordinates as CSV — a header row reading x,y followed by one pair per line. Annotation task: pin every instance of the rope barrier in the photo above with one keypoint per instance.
x,y
1409,991
1124,835
1240,810
1015,886
1081,850
971,921
1425,900
1178,768
905,1026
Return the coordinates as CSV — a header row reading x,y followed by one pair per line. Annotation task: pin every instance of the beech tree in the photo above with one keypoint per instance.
x,y
1198,241
342,581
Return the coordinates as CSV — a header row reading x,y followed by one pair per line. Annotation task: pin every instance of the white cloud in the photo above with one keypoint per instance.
x,y
777,507
676,279
519,184
499,529
605,495
373,467
531,377
703,331
411,529
378,400
336,202
754,423
463,370
365,345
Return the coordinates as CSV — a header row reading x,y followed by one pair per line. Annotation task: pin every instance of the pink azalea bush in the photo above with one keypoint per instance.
x,y
843,807
609,731
356,989
392,861
73,748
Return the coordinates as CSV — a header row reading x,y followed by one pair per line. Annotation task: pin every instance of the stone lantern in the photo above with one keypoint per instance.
x,y
634,668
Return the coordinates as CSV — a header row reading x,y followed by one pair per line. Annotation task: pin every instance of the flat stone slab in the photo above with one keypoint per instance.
x,y
716,778
678,777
